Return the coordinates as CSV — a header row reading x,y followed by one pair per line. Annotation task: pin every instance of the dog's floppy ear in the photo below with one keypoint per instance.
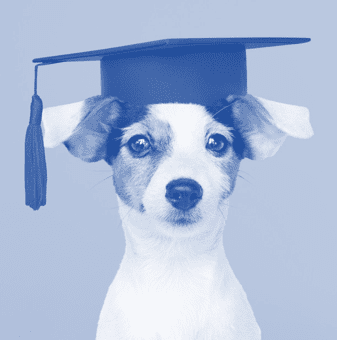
x,y
83,127
264,124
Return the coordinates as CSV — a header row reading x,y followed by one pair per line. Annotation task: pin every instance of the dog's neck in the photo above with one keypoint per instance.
x,y
157,254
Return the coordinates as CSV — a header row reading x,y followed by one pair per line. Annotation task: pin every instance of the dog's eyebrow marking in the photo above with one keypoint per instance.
x,y
159,131
215,127
136,128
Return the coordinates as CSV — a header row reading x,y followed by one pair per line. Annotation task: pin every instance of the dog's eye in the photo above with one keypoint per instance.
x,y
217,143
139,145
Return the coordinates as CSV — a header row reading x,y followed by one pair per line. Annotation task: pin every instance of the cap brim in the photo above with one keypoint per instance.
x,y
249,43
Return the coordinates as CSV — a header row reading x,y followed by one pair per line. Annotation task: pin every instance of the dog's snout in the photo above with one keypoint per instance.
x,y
183,193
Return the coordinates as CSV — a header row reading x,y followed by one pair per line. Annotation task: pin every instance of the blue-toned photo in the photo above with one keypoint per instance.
x,y
146,192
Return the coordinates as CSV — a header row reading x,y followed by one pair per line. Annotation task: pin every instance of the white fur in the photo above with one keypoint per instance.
x,y
175,281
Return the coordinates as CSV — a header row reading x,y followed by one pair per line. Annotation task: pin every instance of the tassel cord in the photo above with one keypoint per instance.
x,y
35,162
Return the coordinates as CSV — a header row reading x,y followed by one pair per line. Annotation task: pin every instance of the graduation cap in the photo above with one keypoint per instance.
x,y
200,71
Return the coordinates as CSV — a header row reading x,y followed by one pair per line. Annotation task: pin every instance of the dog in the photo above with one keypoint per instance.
x,y
174,168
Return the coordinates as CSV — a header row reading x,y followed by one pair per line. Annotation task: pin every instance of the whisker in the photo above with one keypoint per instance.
x,y
222,109
247,173
221,213
100,182
244,179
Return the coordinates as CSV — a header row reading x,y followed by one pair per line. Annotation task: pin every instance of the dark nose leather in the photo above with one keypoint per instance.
x,y
183,193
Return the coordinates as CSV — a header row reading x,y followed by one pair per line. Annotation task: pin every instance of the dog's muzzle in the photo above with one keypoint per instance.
x,y
183,193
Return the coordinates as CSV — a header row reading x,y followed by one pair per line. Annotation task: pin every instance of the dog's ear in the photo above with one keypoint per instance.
x,y
83,127
264,124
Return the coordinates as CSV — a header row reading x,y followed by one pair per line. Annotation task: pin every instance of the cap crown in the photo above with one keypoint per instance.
x,y
184,74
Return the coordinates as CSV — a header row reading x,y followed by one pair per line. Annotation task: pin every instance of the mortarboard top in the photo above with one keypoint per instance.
x,y
200,71
248,43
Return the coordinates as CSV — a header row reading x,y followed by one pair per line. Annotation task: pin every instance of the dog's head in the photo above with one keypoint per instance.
x,y
174,163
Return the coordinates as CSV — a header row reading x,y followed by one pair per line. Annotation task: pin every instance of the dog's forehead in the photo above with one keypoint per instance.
x,y
179,116
171,119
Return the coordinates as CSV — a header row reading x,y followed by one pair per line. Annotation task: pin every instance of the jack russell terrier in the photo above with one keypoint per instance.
x,y
174,168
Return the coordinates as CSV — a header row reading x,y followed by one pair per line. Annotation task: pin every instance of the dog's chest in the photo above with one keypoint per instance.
x,y
179,310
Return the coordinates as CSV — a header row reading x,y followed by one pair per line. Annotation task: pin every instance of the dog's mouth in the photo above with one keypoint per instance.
x,y
183,218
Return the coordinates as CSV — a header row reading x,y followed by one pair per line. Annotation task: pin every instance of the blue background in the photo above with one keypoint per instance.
x,y
56,264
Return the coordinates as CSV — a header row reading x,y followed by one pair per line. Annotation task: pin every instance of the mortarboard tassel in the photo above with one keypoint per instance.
x,y
35,162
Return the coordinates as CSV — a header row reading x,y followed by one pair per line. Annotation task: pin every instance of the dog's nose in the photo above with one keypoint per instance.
x,y
183,193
